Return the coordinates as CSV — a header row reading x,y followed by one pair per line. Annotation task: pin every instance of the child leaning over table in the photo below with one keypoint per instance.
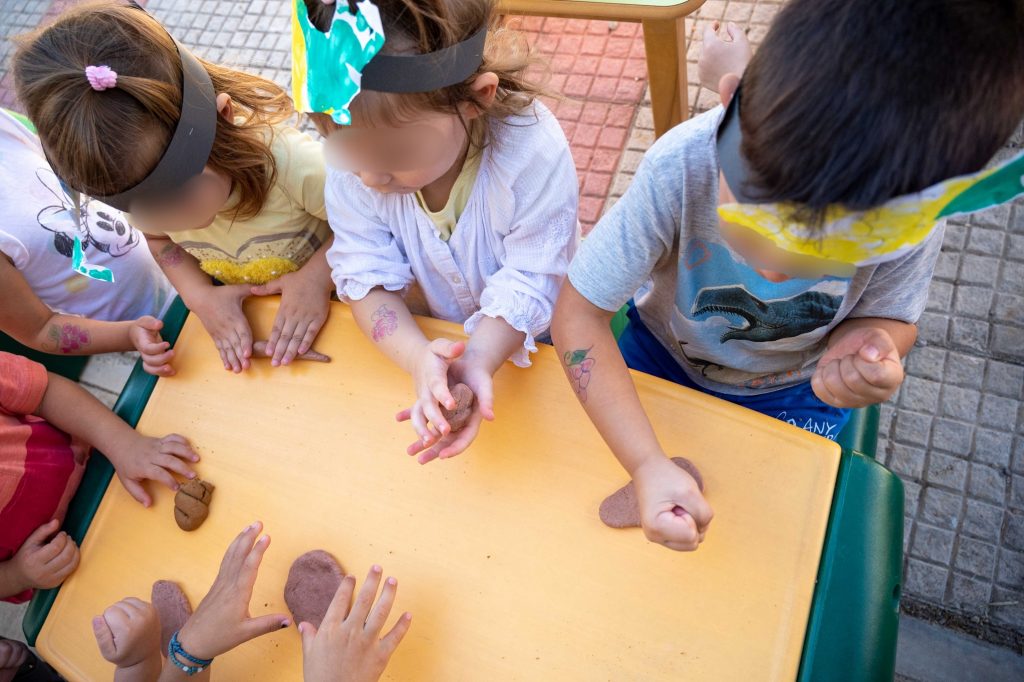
x,y
780,247
47,424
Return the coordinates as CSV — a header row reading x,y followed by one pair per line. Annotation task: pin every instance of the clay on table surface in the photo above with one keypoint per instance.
x,y
312,581
259,349
172,607
622,510
192,503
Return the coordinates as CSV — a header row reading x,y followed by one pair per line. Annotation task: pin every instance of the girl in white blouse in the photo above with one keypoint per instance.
x,y
468,193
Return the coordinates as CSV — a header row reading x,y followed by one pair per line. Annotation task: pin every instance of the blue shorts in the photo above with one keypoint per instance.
x,y
796,405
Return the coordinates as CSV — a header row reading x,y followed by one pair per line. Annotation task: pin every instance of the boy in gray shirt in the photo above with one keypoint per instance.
x,y
799,328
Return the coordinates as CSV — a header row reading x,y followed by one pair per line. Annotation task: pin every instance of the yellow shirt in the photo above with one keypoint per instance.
x,y
446,219
284,235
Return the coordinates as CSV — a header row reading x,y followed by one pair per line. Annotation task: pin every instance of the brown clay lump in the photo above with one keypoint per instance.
x,y
259,349
192,503
464,400
172,607
622,510
312,581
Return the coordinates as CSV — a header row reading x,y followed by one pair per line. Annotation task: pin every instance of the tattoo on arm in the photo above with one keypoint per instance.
x,y
385,322
578,365
68,338
170,256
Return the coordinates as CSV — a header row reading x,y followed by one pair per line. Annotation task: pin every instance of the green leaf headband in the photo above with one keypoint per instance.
x,y
329,69
867,237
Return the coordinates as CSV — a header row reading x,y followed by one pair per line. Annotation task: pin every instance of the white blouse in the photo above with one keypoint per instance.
x,y
510,249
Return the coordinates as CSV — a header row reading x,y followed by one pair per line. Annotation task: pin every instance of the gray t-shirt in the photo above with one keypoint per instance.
x,y
729,328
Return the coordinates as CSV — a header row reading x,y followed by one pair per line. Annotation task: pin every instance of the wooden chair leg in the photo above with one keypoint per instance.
x,y
665,43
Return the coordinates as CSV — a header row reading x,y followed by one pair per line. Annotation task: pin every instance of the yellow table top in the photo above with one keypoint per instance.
x,y
499,552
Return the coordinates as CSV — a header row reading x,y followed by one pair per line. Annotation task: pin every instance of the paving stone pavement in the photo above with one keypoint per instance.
x,y
954,432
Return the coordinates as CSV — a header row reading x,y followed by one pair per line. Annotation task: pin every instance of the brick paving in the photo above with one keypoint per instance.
x,y
954,432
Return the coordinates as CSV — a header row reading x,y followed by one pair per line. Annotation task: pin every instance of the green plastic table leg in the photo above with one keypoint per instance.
x,y
98,471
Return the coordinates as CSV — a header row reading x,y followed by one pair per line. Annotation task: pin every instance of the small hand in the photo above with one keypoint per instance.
x,y
46,558
221,313
862,368
348,646
156,459
305,304
719,57
673,511
156,353
222,621
430,377
463,370
128,632
13,655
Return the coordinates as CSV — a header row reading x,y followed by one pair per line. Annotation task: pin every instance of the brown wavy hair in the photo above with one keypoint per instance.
x,y
423,26
102,143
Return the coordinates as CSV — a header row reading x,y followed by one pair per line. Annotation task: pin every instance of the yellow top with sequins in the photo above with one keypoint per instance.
x,y
284,235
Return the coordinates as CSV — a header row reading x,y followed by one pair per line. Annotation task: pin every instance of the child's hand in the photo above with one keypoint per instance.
x,y
348,646
861,368
478,378
719,57
140,457
128,633
221,313
156,353
673,511
222,620
305,303
430,376
45,559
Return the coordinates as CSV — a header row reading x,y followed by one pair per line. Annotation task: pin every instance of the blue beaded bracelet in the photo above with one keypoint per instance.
x,y
175,654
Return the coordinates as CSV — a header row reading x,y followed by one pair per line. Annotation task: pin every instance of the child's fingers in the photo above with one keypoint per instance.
x,y
178,449
338,610
882,375
150,323
429,455
364,600
69,562
172,463
404,415
39,536
315,325
104,637
464,438
735,32
285,341
710,33
382,609
161,356
308,633
264,625
239,548
419,424
446,349
230,357
824,381
136,607
295,342
251,565
440,392
136,490
155,472
394,637
53,548
269,289
484,391
432,412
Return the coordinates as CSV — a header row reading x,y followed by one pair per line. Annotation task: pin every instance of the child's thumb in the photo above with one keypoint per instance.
x,y
151,323
104,637
308,632
264,625
268,289
734,31
448,349
877,346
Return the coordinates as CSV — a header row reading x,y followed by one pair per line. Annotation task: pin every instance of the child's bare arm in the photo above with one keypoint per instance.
x,y
136,458
603,385
218,308
862,365
29,321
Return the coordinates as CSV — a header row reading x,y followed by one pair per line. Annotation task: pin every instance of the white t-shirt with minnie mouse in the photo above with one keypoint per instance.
x,y
38,229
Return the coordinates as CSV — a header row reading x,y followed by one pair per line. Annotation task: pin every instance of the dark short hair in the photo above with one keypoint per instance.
x,y
854,102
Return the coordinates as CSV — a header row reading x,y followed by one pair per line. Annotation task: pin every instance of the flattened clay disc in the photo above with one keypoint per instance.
x,y
172,607
621,509
464,400
312,581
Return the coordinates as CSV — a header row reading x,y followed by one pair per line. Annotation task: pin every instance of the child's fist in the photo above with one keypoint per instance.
x,y
156,353
719,57
46,558
673,511
862,368
128,632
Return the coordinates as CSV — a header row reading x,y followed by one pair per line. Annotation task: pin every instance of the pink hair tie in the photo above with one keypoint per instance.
x,y
101,77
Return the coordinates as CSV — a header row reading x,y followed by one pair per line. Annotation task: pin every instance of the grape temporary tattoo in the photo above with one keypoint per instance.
x,y
68,338
385,322
170,255
578,366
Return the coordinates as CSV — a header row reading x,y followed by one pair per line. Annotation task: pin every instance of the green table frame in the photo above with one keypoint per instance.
x,y
851,632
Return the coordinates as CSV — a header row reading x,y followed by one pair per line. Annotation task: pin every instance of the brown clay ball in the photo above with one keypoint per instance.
x,y
192,503
464,400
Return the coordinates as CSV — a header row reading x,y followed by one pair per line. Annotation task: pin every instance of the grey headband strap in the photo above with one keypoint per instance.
x,y
426,72
189,149
730,160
